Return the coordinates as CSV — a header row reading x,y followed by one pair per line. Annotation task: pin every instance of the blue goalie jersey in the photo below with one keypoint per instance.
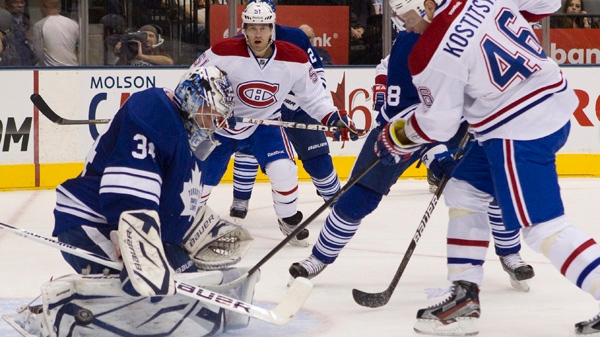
x,y
142,160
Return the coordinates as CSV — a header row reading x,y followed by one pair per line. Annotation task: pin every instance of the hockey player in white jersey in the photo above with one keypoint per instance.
x,y
480,60
138,200
311,147
364,197
262,71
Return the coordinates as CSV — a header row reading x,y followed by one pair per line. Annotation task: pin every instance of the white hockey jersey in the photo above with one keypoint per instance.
x,y
481,58
260,86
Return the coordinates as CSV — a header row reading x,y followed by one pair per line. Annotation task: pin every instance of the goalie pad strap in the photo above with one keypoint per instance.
x,y
145,264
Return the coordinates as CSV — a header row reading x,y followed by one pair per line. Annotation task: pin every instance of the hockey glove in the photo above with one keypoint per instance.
x,y
346,128
379,92
213,243
439,161
389,148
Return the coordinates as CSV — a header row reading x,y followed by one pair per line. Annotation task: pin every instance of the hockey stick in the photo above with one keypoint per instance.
x,y
293,300
301,226
45,109
292,125
375,300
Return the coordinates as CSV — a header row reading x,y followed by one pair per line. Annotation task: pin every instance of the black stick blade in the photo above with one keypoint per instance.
x,y
47,111
371,300
43,107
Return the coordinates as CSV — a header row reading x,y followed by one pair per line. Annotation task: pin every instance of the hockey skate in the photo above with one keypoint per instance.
x,y
287,225
518,271
432,181
238,210
307,268
455,316
589,327
25,321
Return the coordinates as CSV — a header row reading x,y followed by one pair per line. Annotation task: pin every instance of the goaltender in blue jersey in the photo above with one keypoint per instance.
x,y
137,200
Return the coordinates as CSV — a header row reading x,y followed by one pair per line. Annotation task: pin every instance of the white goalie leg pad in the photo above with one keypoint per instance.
x,y
95,305
469,231
574,253
283,174
214,243
143,253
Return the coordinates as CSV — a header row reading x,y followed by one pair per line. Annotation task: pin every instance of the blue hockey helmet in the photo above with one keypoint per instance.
x,y
205,97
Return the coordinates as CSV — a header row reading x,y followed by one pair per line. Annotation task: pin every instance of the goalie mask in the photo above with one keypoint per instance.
x,y
205,98
259,12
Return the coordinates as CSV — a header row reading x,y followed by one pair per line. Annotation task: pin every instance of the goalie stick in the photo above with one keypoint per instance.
x,y
45,109
375,300
292,301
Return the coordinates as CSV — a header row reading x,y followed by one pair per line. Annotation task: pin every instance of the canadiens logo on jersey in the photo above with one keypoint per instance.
x,y
258,94
191,193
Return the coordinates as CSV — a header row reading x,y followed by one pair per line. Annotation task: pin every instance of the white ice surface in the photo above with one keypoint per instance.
x,y
368,263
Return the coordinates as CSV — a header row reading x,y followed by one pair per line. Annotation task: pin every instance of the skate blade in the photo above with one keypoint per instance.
x,y
299,243
14,320
462,327
519,285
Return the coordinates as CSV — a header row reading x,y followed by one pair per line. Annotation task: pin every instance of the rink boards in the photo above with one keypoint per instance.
x,y
38,154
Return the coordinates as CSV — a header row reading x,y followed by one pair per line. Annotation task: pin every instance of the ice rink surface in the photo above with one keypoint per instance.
x,y
368,263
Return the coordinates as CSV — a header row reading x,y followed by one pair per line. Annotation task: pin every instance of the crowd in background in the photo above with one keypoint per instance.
x,y
167,32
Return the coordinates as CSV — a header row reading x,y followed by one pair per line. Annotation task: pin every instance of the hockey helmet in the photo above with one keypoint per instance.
x,y
259,12
205,97
268,2
401,9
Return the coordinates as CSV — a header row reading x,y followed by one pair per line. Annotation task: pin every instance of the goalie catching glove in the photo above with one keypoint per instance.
x,y
389,148
346,128
213,243
146,271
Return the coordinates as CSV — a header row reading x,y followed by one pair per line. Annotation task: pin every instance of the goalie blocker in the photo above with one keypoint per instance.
x,y
212,243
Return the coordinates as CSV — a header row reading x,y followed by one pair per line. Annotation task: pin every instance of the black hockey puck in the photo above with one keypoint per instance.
x,y
84,316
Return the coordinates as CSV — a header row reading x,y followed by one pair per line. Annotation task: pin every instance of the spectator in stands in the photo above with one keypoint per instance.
x,y
147,53
323,54
185,14
19,28
55,37
5,22
114,28
360,10
8,51
572,7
